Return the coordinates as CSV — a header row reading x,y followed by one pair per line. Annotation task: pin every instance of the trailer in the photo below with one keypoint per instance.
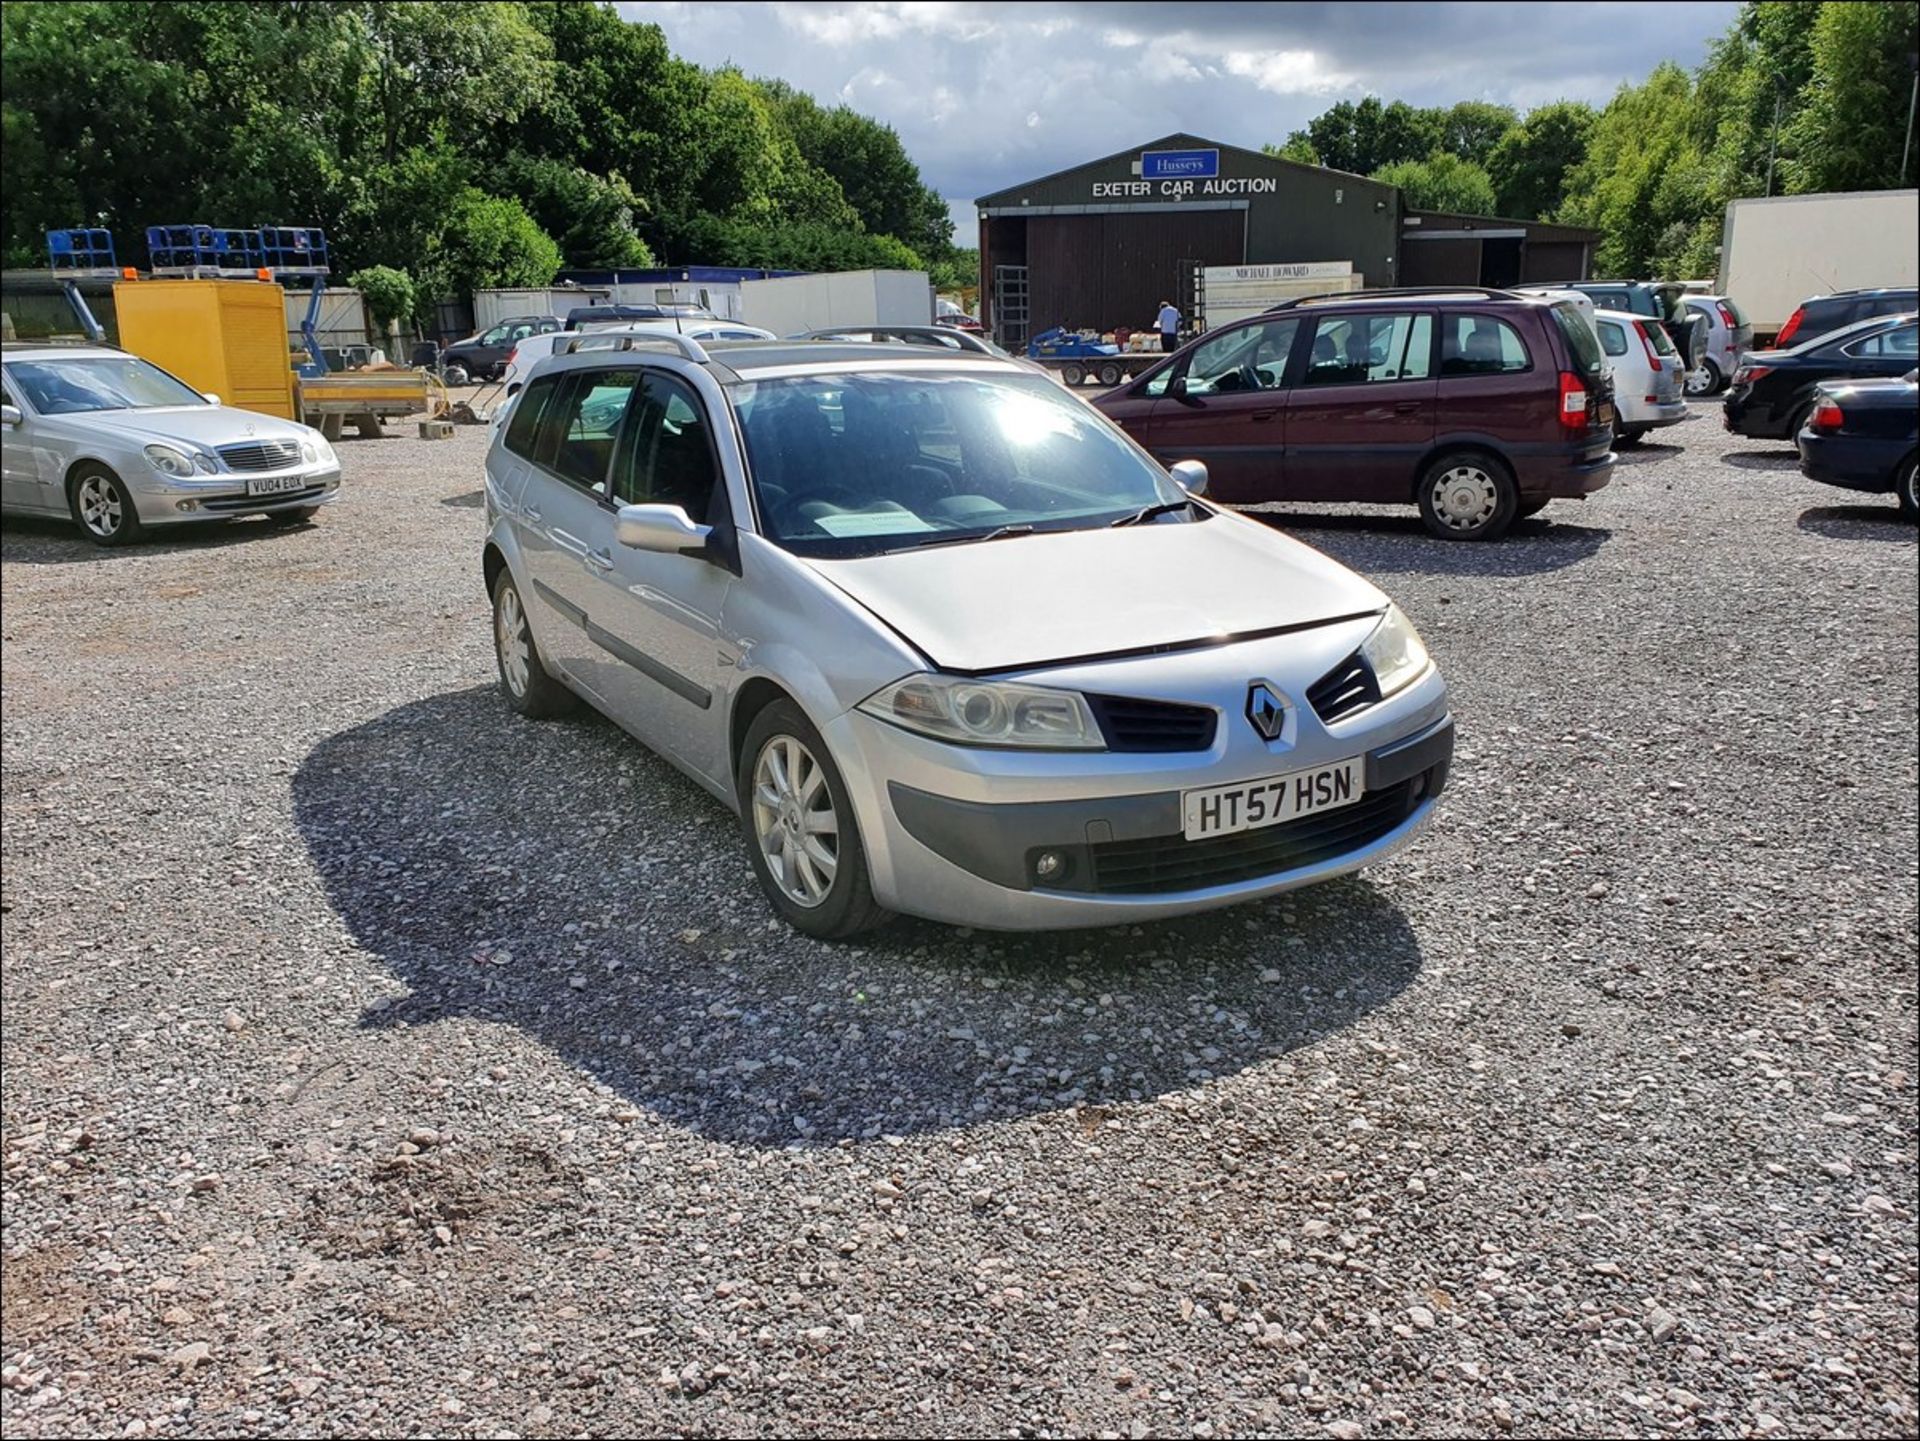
x,y
1077,356
1775,253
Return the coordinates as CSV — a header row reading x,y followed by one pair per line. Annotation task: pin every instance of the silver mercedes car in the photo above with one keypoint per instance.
x,y
117,445
946,641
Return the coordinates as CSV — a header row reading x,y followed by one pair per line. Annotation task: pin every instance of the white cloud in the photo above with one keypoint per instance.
x,y
1286,72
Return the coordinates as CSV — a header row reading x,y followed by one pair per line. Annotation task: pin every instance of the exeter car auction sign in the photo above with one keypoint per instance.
x,y
1178,175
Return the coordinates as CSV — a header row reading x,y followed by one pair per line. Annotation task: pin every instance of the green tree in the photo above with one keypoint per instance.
x,y
488,242
1298,148
1644,170
1529,165
1473,128
591,217
1365,136
1849,133
388,293
1442,181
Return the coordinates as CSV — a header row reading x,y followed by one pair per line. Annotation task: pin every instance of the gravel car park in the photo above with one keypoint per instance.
x,y
378,1061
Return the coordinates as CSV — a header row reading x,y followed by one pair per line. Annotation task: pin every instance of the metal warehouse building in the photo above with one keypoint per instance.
x,y
1101,245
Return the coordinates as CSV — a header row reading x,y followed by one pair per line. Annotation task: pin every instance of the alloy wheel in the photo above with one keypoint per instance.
x,y
510,635
100,506
1465,497
794,821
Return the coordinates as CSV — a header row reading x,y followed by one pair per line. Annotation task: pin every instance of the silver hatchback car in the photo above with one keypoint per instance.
x,y
945,640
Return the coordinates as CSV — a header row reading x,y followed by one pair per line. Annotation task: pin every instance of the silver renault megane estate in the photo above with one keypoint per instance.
x,y
945,640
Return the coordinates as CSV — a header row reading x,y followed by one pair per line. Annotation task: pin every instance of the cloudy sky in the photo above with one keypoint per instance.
x,y
986,95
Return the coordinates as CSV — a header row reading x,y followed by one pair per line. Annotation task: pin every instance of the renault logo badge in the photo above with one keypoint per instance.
x,y
1266,712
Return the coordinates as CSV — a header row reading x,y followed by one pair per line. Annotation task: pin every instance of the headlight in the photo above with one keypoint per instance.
x,y
168,461
309,453
1395,652
315,451
988,713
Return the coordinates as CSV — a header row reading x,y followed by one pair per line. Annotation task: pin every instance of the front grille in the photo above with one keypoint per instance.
x,y
1174,863
1347,688
261,455
254,502
1132,724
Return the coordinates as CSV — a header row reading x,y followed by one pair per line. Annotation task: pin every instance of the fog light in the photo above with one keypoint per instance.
x,y
1049,865
186,505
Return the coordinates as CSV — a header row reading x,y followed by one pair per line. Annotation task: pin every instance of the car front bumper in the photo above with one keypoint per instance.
x,y
171,500
952,833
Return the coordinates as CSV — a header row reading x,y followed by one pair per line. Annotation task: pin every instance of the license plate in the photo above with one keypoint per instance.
x,y
1223,810
1605,412
276,484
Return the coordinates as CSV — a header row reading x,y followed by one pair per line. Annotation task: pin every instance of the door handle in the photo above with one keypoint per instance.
x,y
1406,407
530,514
1266,414
599,560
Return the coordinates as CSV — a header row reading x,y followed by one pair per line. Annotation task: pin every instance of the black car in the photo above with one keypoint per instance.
x,y
1773,390
1861,436
1824,314
1666,303
484,356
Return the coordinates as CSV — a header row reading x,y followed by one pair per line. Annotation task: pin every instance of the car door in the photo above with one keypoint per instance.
x,y
1224,406
1363,411
20,487
564,521
657,614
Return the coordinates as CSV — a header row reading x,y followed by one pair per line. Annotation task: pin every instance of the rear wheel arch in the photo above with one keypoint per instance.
x,y
1446,449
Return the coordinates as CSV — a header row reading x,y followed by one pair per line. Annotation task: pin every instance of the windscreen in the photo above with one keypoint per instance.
x,y
861,463
1582,344
68,387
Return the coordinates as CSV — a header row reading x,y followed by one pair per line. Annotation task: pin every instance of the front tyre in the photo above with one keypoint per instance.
x,y
1468,496
801,834
102,506
523,675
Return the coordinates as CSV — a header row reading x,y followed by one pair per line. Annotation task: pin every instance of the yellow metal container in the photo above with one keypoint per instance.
x,y
224,336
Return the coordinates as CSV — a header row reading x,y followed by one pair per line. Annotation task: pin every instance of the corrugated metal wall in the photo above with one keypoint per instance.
x,y
1103,271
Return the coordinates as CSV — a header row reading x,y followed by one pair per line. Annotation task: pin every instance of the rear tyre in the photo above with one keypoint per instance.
x,y
1798,423
1628,436
102,507
523,674
801,835
1074,375
1468,495
1707,380
1906,486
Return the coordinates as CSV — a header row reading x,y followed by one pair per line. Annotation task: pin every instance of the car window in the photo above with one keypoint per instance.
x,y
1901,342
95,383
853,464
589,417
1246,357
1480,345
667,457
1581,342
1362,349
496,336
526,415
1613,337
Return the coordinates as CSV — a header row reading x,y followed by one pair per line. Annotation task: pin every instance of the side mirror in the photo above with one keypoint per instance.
x,y
210,398
664,528
1177,388
9,415
1191,476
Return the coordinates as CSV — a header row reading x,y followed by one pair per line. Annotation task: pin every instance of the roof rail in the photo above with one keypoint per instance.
x,y
1337,297
684,345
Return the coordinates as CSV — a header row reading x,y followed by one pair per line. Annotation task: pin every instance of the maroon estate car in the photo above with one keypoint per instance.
x,y
1479,406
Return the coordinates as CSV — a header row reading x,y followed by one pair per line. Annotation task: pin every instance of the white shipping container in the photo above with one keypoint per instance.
x,y
795,303
1235,292
1777,252
490,307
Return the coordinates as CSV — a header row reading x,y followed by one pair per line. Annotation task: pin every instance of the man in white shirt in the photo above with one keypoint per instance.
x,y
1169,326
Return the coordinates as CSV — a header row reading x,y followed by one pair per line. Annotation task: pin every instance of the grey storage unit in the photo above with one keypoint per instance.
x,y
1101,245
1438,248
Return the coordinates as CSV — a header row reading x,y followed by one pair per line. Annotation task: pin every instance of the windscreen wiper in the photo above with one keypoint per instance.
x,y
1140,517
1002,532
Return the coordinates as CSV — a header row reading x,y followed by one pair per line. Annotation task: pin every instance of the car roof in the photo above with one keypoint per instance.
x,y
1869,290
732,361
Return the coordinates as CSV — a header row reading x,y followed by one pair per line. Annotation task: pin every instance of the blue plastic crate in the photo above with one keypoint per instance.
x,y
81,251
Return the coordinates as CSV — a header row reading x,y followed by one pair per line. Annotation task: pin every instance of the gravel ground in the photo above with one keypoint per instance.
x,y
379,1062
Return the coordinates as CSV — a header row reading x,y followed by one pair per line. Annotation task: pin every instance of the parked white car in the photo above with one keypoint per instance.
x,y
117,445
1648,374
1729,338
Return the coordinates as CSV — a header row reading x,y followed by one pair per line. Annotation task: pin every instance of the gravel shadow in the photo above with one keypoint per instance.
x,y
1786,458
1859,522
1386,543
32,540
560,878
466,500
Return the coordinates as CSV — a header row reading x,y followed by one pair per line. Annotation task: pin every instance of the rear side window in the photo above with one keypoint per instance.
x,y
1581,342
1480,345
1369,349
1899,343
526,415
1613,337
